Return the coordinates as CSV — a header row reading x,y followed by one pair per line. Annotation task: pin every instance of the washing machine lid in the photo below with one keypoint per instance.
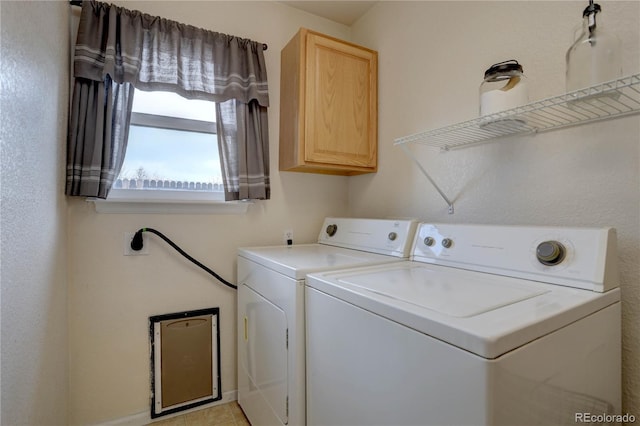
x,y
448,293
486,314
298,260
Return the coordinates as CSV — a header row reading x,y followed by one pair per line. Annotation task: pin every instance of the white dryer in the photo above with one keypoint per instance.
x,y
487,325
271,319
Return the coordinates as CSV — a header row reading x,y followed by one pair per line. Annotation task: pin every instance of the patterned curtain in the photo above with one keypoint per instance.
x,y
97,139
245,171
118,49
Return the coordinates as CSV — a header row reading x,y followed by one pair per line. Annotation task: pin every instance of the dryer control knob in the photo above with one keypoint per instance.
x,y
550,252
331,230
447,243
429,241
392,236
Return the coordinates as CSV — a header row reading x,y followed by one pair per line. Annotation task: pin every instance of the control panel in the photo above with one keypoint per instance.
x,y
577,257
383,236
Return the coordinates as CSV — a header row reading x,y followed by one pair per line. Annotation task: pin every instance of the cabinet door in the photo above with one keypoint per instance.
x,y
341,103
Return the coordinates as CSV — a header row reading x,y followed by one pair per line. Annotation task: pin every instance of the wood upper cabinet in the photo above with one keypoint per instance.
x,y
328,106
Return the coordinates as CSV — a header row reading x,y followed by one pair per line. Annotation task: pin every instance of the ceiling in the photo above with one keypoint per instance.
x,y
343,12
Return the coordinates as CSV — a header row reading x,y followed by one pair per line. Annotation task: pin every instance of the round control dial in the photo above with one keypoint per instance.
x,y
447,243
550,252
332,229
429,241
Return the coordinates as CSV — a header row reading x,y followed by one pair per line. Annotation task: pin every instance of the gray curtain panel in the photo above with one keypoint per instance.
x,y
97,139
245,166
152,53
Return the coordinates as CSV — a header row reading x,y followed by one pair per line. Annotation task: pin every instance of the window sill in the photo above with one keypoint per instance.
x,y
168,202
176,206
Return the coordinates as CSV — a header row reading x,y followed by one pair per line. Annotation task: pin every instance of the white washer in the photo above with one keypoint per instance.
x,y
487,325
271,341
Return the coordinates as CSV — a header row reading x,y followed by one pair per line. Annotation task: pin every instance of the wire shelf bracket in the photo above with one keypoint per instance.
x,y
413,158
604,101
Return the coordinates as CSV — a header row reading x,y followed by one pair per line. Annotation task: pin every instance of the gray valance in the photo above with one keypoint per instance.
x,y
154,53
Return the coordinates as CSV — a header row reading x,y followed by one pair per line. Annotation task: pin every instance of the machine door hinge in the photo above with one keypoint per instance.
x,y
287,339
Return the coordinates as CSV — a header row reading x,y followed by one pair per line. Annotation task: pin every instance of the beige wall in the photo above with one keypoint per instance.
x,y
112,296
432,59
33,212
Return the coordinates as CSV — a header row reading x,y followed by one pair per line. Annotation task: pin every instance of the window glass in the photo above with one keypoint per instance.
x,y
172,146
171,155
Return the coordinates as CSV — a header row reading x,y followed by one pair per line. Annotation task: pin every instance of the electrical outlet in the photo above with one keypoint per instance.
x,y
128,251
287,236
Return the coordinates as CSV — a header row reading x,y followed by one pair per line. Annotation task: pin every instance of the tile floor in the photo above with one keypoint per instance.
x,y
229,414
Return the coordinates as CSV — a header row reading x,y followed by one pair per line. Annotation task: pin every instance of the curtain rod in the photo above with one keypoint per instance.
x,y
79,3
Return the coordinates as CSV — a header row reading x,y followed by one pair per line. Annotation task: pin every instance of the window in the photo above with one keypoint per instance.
x,y
229,69
172,151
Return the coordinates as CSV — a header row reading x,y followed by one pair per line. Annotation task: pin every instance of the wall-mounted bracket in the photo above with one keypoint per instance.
x,y
424,172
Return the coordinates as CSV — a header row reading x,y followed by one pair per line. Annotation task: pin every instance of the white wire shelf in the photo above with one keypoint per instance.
x,y
603,101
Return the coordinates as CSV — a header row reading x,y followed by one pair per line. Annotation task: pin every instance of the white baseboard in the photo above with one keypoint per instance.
x,y
144,418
